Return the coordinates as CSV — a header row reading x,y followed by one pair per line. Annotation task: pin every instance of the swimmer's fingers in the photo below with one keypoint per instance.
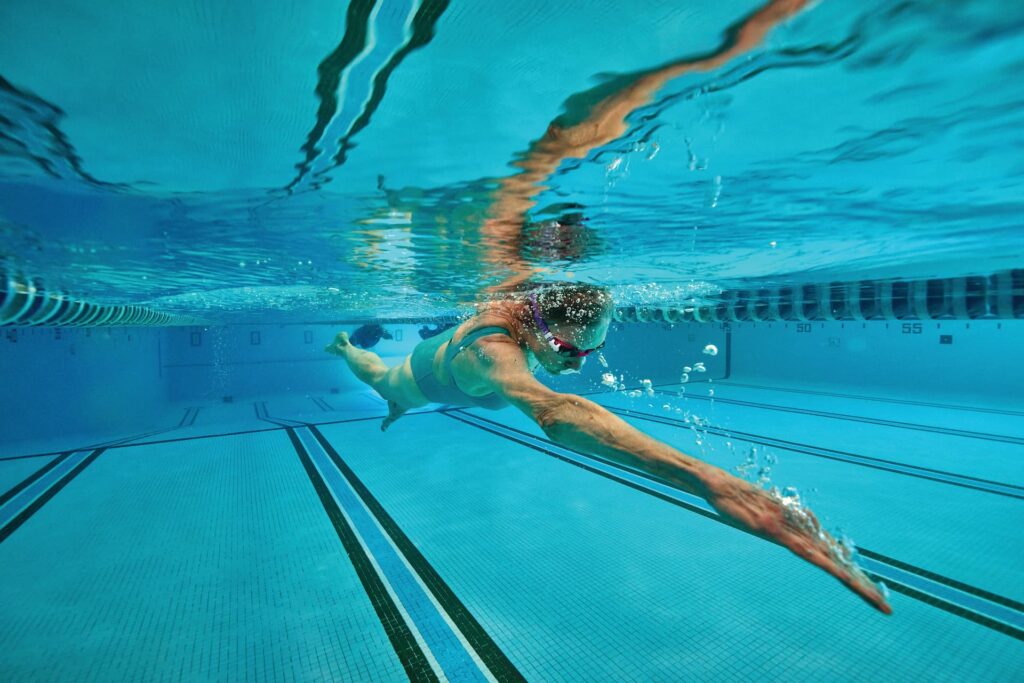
x,y
818,551
750,508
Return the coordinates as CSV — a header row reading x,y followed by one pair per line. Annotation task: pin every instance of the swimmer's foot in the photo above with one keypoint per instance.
x,y
747,507
395,411
340,345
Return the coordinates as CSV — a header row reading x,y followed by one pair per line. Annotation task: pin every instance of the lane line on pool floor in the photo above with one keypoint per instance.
x,y
948,431
407,646
451,638
896,467
24,500
988,609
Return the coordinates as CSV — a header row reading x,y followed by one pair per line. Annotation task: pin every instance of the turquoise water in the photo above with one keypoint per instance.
x,y
196,197
326,161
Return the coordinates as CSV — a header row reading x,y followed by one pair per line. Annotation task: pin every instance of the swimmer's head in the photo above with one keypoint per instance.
x,y
569,321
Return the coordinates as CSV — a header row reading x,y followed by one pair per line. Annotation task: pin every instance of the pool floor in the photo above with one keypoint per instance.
x,y
287,538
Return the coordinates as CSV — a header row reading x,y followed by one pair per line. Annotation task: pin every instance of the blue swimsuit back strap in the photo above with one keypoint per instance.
x,y
454,348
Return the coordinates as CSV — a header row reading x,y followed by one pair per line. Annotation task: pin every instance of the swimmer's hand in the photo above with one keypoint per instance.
x,y
752,509
338,346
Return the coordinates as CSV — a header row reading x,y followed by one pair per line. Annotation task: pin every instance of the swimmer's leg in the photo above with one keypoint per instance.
x,y
366,365
395,385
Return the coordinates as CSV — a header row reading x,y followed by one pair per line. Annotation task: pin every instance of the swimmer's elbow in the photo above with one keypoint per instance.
x,y
558,417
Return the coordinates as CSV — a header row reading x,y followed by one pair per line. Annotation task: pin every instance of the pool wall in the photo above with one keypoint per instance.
x,y
81,379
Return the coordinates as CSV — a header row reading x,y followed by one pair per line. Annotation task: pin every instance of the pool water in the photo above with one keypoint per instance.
x,y
195,198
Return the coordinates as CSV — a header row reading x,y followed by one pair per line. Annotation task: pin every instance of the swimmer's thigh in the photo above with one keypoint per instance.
x,y
399,385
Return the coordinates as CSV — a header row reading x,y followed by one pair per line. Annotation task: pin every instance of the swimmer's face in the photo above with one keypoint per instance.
x,y
581,337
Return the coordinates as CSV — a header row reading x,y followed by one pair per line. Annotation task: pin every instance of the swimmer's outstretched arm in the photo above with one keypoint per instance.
x,y
575,422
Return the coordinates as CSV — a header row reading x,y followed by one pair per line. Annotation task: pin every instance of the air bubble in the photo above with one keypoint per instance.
x,y
710,350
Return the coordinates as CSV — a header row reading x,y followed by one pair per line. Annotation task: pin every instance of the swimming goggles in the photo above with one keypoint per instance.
x,y
558,345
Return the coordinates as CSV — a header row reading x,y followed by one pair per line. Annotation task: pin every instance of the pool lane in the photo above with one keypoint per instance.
x,y
984,459
968,535
578,577
982,607
195,560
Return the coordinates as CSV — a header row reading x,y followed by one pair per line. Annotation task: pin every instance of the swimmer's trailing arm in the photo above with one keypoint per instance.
x,y
575,422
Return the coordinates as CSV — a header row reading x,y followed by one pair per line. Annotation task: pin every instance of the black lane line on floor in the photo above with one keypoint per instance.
x,y
261,415
39,502
973,483
490,654
1005,438
324,405
939,578
880,399
217,435
189,418
957,610
413,660
944,605
25,483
